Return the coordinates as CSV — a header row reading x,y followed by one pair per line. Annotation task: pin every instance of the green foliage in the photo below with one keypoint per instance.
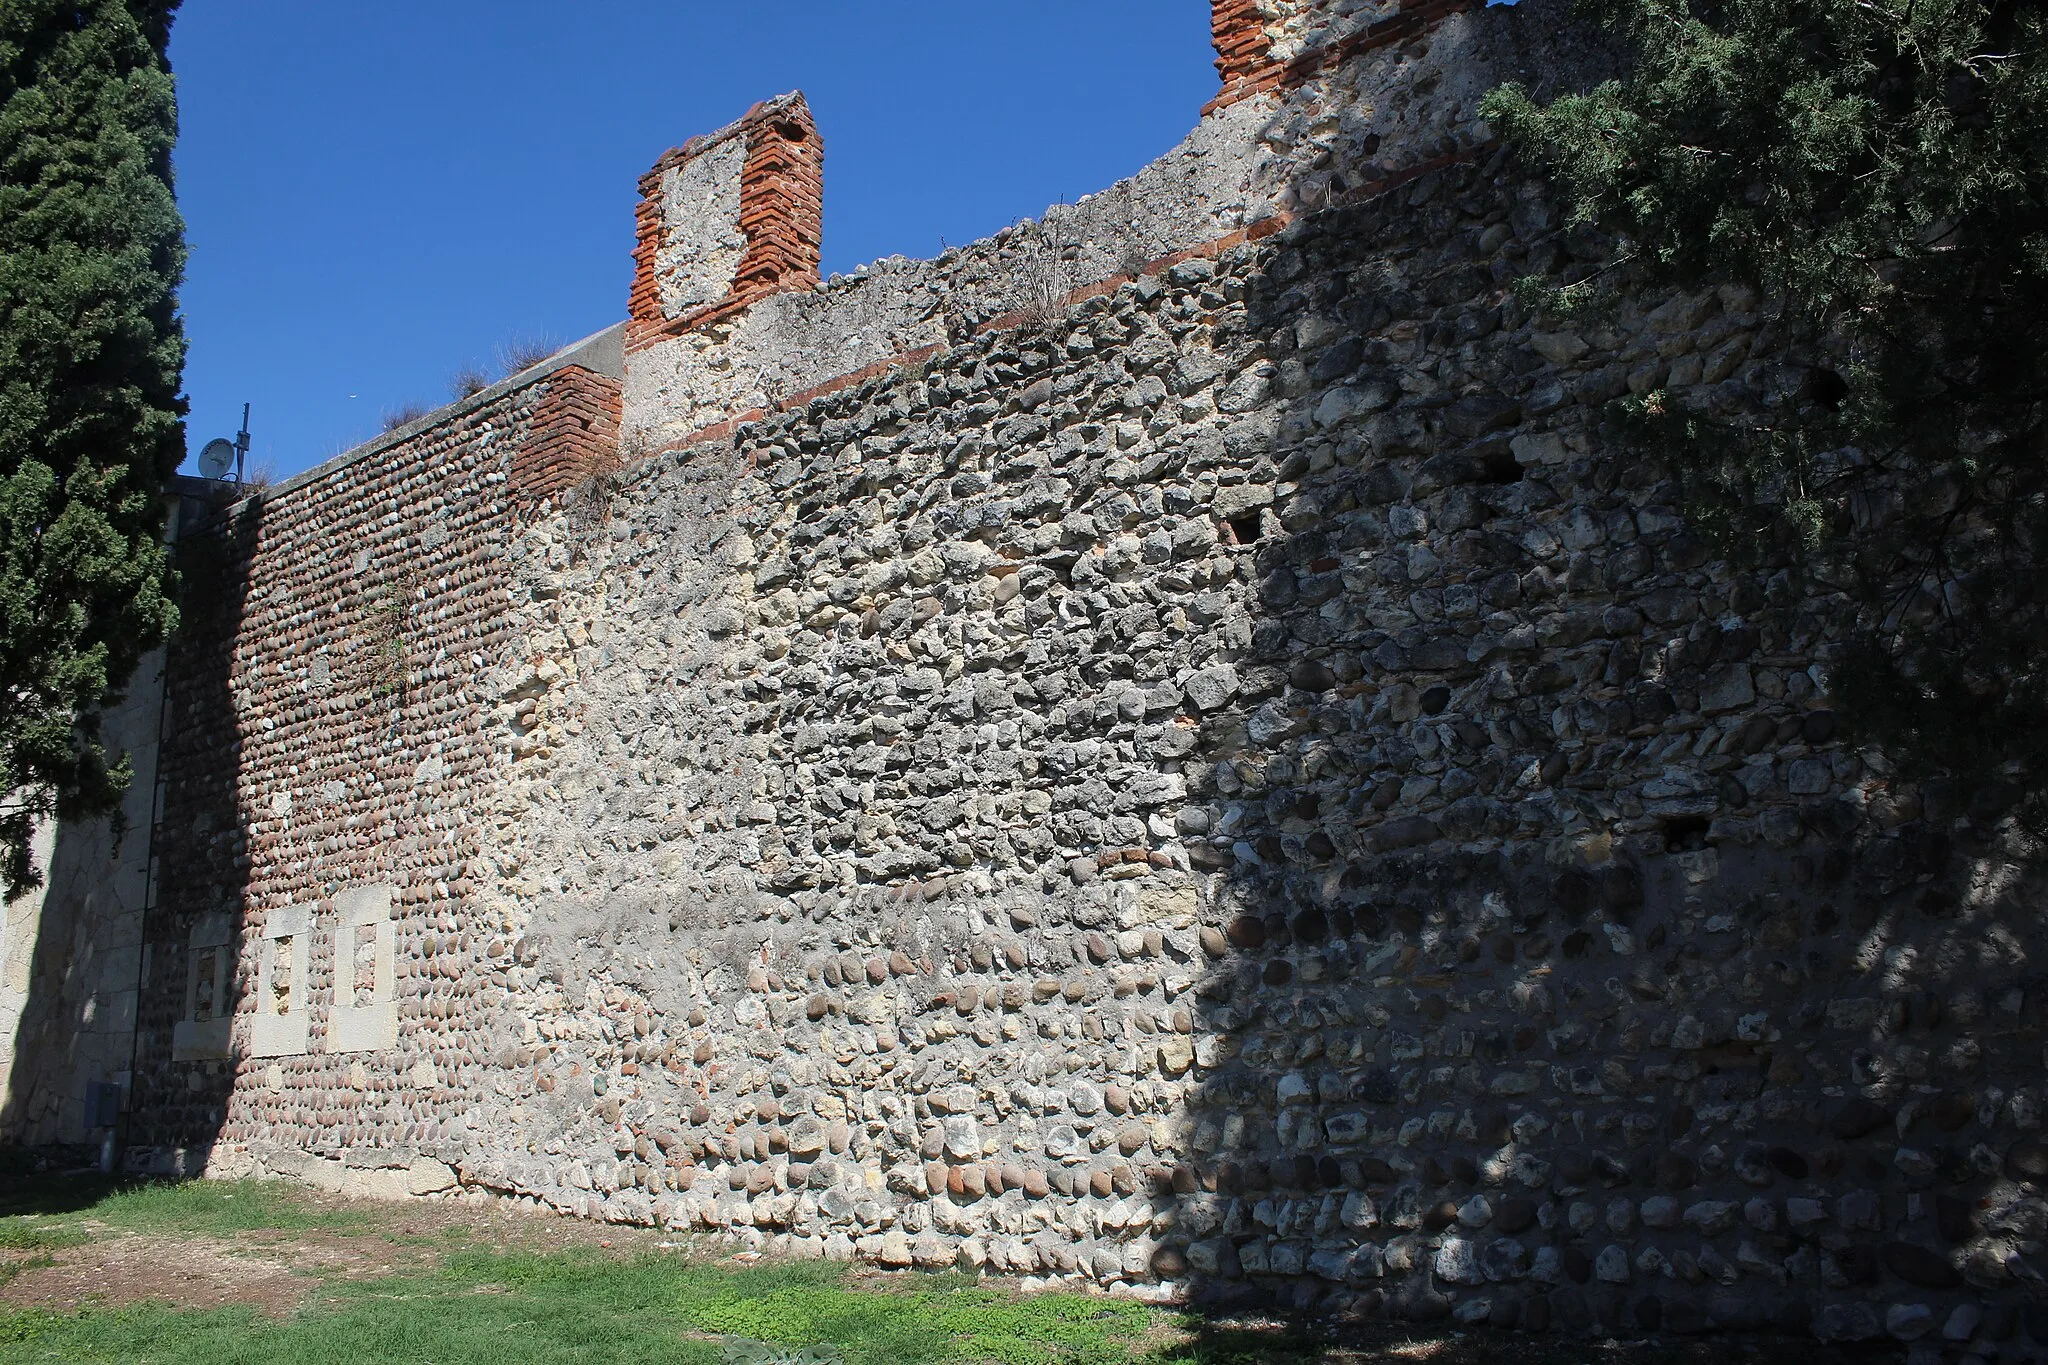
x,y
25,1236
1881,170
384,621
70,1212
90,418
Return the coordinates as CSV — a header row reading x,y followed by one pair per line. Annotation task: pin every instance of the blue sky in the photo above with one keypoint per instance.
x,y
378,194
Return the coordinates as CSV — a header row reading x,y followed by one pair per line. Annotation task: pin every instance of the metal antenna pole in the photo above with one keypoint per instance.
x,y
242,443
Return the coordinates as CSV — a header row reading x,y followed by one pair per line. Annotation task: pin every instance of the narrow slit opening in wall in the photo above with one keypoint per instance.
x,y
281,975
1685,833
365,961
202,999
1245,528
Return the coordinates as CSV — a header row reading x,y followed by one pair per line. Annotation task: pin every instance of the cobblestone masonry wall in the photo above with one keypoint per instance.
x,y
326,740
1249,786
1234,786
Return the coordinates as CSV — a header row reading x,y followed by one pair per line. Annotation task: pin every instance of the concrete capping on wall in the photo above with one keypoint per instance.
x,y
773,218
601,353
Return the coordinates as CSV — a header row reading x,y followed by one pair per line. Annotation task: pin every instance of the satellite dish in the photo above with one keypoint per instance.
x,y
218,458
222,455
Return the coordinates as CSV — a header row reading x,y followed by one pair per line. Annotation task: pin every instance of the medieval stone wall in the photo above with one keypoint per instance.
x,y
1290,136
307,958
1224,779
1248,784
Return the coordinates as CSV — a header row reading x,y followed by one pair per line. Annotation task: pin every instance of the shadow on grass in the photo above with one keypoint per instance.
x,y
54,1195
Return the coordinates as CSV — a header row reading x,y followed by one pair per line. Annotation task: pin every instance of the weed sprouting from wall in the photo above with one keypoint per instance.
x,y
385,617
1044,277
523,353
587,503
404,415
1130,252
468,382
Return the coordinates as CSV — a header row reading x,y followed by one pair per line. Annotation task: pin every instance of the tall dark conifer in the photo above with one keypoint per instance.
x,y
91,421
1881,172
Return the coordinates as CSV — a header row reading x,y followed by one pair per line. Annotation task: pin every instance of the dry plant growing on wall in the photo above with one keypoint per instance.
x,y
384,645
405,414
1131,259
523,353
587,502
1042,276
468,382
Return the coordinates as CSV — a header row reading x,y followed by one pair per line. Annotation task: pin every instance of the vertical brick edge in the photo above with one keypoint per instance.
x,y
575,435
782,209
1238,30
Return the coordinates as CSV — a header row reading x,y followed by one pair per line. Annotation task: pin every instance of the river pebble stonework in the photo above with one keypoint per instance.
x,y
1236,783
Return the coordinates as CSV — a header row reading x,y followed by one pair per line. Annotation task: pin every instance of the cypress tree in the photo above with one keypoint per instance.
x,y
1880,172
91,421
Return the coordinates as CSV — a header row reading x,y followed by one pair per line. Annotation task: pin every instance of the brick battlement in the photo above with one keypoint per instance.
x,y
775,209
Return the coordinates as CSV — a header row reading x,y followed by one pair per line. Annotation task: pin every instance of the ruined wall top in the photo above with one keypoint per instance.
x,y
1321,100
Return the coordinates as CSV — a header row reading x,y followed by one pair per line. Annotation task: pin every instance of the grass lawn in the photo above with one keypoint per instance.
x,y
468,1293
217,1273
581,1307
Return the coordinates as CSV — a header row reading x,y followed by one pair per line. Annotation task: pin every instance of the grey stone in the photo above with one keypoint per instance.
x,y
1908,1321
1848,1322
